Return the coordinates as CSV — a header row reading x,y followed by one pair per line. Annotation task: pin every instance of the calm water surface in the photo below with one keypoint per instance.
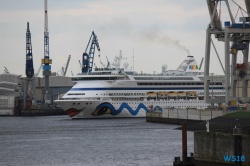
x,y
58,140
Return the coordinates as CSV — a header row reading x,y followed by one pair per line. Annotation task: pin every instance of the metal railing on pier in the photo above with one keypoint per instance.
x,y
190,114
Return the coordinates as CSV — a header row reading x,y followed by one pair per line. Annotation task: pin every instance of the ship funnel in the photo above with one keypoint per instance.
x,y
189,64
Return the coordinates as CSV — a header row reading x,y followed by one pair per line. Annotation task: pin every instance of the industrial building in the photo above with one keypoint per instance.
x,y
12,91
9,91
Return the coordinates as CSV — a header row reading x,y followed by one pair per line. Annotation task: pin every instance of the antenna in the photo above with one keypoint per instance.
x,y
133,60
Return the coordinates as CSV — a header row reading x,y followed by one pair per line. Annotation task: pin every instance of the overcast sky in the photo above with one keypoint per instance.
x,y
157,32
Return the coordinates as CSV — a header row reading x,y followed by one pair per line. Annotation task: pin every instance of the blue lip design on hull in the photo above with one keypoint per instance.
x,y
107,108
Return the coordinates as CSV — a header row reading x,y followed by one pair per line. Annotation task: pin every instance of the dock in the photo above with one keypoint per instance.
x,y
180,116
220,141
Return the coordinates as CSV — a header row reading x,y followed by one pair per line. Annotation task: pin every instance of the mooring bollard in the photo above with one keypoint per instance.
x,y
186,161
184,143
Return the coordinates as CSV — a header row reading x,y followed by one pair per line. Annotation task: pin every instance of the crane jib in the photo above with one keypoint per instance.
x,y
88,58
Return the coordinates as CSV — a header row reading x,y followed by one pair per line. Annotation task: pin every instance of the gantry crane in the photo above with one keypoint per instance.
x,y
46,61
88,58
29,70
235,36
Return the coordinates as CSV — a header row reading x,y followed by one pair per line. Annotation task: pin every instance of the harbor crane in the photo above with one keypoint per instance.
x,y
29,70
37,73
6,70
46,61
67,65
88,58
80,64
108,63
64,69
101,62
235,36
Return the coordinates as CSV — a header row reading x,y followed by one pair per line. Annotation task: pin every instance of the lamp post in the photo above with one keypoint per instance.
x,y
212,95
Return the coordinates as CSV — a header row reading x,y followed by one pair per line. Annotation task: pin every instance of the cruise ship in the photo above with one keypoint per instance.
x,y
122,92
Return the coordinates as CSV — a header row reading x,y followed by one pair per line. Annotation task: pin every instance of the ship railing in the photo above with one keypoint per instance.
x,y
188,114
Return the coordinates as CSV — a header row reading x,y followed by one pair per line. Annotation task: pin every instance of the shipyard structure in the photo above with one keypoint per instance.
x,y
9,92
12,94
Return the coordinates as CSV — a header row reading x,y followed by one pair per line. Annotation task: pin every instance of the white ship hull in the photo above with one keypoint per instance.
x,y
78,109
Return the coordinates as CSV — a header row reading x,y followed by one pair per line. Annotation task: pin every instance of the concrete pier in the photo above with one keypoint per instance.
x,y
210,148
221,145
156,117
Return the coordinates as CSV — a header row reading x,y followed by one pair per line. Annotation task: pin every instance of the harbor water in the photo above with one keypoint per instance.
x,y
58,140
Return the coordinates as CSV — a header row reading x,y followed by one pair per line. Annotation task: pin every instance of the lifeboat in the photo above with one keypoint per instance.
x,y
181,95
172,95
152,95
161,95
191,94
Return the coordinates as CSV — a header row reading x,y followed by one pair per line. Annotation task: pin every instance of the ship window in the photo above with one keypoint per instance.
x,y
76,94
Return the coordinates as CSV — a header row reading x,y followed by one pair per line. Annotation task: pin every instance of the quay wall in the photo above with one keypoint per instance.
x,y
42,112
211,147
156,117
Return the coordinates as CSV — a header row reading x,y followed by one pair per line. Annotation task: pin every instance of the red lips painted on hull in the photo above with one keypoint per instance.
x,y
73,112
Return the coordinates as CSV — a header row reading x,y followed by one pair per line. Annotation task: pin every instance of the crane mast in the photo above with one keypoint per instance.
x,y
46,61
29,70
29,56
67,65
88,58
38,71
46,35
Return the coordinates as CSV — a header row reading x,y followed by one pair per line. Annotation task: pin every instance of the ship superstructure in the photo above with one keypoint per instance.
x,y
121,92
